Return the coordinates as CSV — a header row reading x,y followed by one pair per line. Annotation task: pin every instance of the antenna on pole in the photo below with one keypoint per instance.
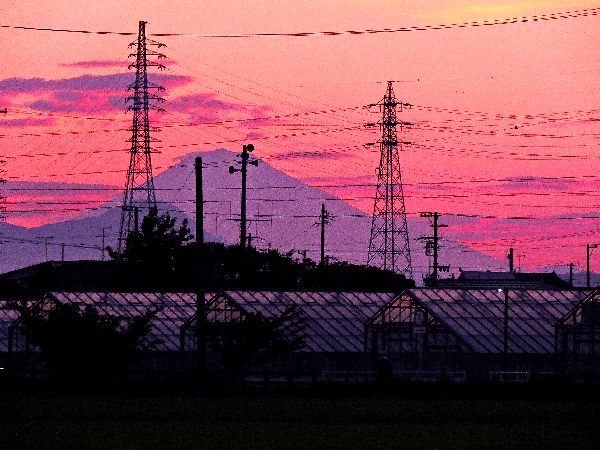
x,y
432,246
389,245
325,219
139,188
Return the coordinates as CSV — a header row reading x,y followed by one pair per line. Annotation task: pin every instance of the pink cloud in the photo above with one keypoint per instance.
x,y
82,93
315,155
109,82
205,106
27,122
105,63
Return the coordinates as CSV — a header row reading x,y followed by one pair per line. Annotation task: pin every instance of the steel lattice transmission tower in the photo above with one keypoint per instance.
x,y
389,246
139,189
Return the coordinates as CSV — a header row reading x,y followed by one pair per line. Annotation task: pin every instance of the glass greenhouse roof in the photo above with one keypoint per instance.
x,y
477,316
172,309
334,321
8,314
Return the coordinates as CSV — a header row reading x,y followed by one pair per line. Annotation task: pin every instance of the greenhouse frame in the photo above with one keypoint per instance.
x,y
425,334
491,333
333,326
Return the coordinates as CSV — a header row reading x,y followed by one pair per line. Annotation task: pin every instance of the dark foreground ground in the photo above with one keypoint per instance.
x,y
54,420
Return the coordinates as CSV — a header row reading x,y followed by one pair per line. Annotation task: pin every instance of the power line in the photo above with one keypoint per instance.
x,y
328,33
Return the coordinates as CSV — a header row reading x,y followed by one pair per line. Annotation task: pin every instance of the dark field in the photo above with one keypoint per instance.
x,y
53,420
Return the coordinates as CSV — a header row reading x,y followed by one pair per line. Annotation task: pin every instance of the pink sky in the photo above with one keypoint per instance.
x,y
547,69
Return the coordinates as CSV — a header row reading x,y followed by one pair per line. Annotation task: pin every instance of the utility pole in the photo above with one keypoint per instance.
x,y
136,219
325,219
571,274
104,242
199,201
200,293
46,244
589,247
389,244
245,156
201,333
522,255
432,244
511,260
62,252
2,180
505,340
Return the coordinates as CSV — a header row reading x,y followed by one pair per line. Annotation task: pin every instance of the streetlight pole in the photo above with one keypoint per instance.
x,y
245,155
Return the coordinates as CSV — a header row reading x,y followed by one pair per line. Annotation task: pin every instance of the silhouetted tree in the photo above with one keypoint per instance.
x,y
255,340
220,266
73,341
156,244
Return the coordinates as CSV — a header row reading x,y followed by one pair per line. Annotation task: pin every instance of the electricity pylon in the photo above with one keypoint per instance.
x,y
139,189
389,246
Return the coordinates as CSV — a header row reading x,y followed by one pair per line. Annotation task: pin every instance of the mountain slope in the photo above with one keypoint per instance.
x,y
283,213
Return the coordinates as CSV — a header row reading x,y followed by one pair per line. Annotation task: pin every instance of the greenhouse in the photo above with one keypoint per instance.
x,y
425,334
8,315
578,338
332,325
476,333
168,312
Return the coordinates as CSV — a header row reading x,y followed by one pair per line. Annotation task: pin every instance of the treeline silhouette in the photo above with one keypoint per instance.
x,y
162,256
166,256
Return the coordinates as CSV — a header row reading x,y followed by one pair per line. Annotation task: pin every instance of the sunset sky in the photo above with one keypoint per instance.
x,y
506,117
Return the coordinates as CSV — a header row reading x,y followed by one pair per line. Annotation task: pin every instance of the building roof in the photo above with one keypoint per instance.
x,y
334,321
171,310
477,316
38,279
493,280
